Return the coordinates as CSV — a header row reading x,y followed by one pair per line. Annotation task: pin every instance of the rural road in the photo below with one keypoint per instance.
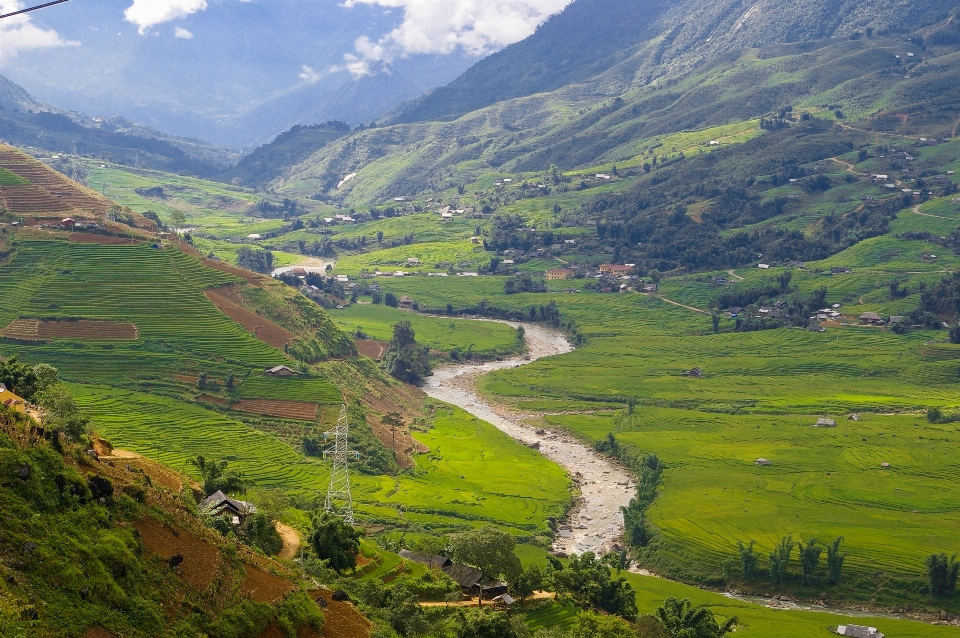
x,y
291,541
596,523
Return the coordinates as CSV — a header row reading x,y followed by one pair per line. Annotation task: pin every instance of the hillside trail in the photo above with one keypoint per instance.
x,y
734,275
847,165
291,541
916,209
677,303
595,523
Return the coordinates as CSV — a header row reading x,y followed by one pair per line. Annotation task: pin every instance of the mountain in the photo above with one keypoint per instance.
x,y
643,41
252,83
26,121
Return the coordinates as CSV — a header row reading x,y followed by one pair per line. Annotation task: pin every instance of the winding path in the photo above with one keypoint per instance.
x,y
596,522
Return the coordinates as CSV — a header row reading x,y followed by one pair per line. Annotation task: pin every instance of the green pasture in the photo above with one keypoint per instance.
x,y
461,255
439,333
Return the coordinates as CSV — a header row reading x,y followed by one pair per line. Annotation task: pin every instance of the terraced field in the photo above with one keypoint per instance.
x,y
36,330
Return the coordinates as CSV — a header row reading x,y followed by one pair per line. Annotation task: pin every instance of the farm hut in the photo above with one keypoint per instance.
x,y
222,506
12,401
280,371
825,423
694,373
871,318
650,288
859,631
68,224
413,261
895,319
503,601
762,461
885,465
405,303
467,577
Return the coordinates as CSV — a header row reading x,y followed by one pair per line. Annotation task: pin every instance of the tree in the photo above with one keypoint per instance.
x,y
835,561
482,623
336,541
527,582
748,560
46,375
390,299
62,412
19,378
406,359
780,560
178,218
216,476
394,421
593,625
260,531
942,574
680,619
587,582
255,259
809,560
716,322
488,549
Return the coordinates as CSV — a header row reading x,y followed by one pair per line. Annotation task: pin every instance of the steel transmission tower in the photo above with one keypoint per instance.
x,y
339,501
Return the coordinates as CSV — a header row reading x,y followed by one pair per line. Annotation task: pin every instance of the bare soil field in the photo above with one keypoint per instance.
x,y
30,199
373,349
296,410
342,619
264,329
97,632
201,561
263,587
38,330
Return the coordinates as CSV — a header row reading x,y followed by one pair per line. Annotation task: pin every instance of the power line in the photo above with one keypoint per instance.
x,y
42,6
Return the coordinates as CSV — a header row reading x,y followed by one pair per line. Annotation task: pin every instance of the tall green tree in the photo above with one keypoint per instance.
x,y
19,378
748,560
809,560
780,560
216,476
406,359
680,619
489,549
835,560
942,574
62,412
587,582
335,541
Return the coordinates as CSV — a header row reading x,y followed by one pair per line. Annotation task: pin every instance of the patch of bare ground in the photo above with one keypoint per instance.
x,y
408,402
295,410
342,620
291,541
264,329
373,349
201,561
264,587
97,632
207,398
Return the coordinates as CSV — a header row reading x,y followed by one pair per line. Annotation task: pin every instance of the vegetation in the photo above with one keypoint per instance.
x,y
335,541
406,359
680,619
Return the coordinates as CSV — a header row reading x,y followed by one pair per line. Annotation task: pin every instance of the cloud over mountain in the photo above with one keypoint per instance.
x,y
20,34
478,27
148,13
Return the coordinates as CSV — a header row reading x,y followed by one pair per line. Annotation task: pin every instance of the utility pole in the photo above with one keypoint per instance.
x,y
339,500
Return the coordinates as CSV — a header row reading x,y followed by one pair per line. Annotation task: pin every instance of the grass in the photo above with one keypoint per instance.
x,y
439,333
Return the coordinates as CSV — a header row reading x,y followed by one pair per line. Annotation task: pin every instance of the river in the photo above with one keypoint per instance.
x,y
595,523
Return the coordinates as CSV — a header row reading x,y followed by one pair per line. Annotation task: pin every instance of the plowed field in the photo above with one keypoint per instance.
x,y
373,349
342,619
264,587
37,330
201,561
296,410
24,200
264,329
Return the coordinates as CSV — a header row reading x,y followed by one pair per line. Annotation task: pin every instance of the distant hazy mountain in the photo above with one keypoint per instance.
x,y
26,121
639,41
233,76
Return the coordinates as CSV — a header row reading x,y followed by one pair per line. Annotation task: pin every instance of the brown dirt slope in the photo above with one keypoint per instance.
x,y
373,349
264,329
342,619
264,587
201,561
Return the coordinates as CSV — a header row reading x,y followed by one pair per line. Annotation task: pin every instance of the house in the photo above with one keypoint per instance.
x,y
475,240
508,262
69,223
762,461
222,506
503,601
280,371
763,266
841,270
615,269
735,310
859,631
342,279
299,272
895,319
253,236
871,318
560,273
413,261
467,577
650,288
695,373
12,401
825,423
405,303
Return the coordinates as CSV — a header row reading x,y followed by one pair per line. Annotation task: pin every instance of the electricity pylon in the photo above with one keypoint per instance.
x,y
339,501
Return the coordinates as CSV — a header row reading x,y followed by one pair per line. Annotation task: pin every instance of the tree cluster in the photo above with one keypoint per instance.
x,y
406,359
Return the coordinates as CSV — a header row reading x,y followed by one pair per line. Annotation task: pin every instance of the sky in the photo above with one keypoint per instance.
x,y
189,66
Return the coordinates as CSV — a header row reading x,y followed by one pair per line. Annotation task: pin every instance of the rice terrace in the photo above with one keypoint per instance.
x,y
643,321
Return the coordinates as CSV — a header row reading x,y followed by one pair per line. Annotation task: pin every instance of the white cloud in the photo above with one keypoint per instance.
x,y
478,27
308,75
148,13
19,34
182,33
